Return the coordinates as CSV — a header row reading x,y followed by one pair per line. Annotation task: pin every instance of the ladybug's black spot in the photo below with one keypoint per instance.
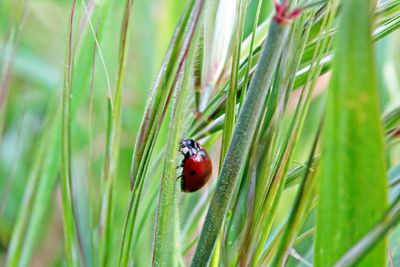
x,y
192,172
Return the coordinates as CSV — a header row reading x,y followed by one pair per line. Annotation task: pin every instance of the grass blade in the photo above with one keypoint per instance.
x,y
70,230
44,174
20,241
353,193
154,115
242,136
230,109
158,100
296,219
230,117
360,249
113,133
165,250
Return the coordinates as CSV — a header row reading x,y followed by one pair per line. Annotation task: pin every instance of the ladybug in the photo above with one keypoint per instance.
x,y
196,164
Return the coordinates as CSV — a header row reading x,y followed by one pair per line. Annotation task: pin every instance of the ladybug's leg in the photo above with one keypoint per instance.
x,y
179,177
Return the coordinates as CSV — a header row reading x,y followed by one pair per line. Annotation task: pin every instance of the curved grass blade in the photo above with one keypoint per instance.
x,y
166,239
151,202
154,116
353,193
159,99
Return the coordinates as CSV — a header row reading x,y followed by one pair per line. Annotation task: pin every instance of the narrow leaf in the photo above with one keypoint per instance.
x,y
353,193
165,237
70,230
242,136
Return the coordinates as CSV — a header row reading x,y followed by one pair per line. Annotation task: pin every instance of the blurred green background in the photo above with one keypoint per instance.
x,y
33,41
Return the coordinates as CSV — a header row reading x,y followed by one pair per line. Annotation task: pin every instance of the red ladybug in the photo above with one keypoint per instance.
x,y
197,166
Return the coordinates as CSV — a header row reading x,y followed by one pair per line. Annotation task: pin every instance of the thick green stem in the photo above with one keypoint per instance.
x,y
239,147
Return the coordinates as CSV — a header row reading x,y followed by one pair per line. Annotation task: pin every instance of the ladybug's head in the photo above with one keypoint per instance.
x,y
188,147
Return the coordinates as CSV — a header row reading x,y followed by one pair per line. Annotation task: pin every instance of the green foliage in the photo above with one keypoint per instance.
x,y
353,192
88,149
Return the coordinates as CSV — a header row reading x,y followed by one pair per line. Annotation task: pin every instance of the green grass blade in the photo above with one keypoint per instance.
x,y
43,177
266,211
271,173
114,132
27,215
165,250
239,147
70,230
297,215
374,236
43,194
154,115
382,29
158,100
230,116
230,109
251,49
13,42
353,188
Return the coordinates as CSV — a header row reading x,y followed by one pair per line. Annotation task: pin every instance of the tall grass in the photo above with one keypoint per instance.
x,y
295,101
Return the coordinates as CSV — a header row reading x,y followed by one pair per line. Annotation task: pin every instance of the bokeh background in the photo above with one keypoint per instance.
x,y
33,43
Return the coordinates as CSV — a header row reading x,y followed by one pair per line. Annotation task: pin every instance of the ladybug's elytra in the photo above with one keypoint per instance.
x,y
197,166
